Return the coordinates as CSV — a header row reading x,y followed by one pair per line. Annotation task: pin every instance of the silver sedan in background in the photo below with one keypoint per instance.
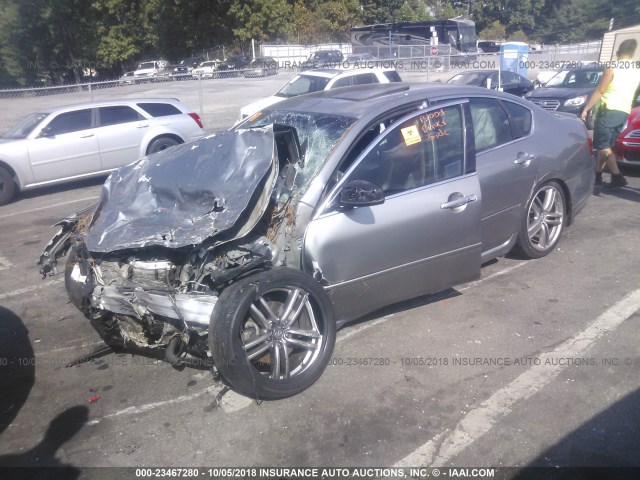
x,y
249,248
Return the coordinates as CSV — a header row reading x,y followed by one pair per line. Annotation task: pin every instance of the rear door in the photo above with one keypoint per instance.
x,y
506,166
65,147
120,131
424,238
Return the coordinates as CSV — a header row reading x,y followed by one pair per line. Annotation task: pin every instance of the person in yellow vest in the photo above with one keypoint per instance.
x,y
615,91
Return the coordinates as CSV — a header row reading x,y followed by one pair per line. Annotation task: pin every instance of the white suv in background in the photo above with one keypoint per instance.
x,y
90,139
323,79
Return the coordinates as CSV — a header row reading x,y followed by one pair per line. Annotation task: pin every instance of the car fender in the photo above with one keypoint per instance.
x,y
19,166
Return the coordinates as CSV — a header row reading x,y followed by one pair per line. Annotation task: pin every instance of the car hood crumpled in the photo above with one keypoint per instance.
x,y
186,194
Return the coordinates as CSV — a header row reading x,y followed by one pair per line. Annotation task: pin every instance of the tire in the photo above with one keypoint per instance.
x,y
248,329
543,221
7,187
160,144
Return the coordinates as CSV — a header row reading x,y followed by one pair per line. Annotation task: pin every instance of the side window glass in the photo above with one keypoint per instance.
x,y
519,118
117,115
343,82
422,150
490,123
509,77
70,122
364,79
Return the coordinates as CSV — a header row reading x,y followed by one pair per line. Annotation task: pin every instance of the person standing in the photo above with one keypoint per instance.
x,y
615,91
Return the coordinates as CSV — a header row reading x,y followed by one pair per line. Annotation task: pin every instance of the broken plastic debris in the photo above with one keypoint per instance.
x,y
94,399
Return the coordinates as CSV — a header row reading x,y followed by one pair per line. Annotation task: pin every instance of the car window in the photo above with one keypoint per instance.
x,y
365,78
490,123
519,119
117,115
159,109
393,76
510,77
343,82
425,149
26,126
70,122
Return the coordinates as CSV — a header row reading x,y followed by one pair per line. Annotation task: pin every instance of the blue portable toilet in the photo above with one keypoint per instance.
x,y
513,57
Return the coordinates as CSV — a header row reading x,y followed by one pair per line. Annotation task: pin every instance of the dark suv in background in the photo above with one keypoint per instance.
x,y
323,59
568,91
234,65
184,67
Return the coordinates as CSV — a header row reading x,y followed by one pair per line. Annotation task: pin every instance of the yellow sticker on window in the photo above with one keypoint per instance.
x,y
411,135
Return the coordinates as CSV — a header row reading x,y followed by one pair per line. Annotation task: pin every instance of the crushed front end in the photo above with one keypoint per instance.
x,y
148,263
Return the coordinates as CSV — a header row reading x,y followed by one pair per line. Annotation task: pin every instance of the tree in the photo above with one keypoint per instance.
x,y
336,18
260,19
495,31
412,11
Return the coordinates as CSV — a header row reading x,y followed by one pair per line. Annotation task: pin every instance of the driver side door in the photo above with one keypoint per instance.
x,y
424,238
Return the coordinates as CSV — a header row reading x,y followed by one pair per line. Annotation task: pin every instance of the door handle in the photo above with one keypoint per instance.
x,y
523,158
145,125
87,135
459,202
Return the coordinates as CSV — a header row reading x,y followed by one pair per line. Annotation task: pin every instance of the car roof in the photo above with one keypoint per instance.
x,y
121,101
361,100
336,72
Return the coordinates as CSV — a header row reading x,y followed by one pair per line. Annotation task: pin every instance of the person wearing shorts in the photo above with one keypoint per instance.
x,y
615,92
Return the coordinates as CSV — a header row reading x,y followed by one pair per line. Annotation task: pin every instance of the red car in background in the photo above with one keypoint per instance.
x,y
628,142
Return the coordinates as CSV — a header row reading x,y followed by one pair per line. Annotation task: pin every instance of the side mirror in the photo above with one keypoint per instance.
x,y
361,193
46,132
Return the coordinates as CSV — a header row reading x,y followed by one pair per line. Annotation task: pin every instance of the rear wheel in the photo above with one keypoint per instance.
x,y
272,334
543,222
7,187
160,144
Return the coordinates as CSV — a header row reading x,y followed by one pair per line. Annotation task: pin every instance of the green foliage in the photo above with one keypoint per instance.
x,y
260,19
55,41
495,31
412,11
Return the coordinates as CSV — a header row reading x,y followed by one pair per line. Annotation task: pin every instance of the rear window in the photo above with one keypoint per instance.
x,y
393,76
519,118
159,109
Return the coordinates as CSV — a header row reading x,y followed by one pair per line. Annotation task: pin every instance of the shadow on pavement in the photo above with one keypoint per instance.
x,y
17,366
609,440
37,463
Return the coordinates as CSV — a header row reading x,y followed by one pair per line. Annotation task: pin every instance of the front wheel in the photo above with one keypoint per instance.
x,y
543,222
272,334
7,187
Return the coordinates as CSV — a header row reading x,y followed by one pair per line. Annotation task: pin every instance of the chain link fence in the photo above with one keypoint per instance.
x,y
217,97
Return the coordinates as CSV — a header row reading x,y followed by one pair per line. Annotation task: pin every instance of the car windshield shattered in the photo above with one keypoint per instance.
x,y
318,133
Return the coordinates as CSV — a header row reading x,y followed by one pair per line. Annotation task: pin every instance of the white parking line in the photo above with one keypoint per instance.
x,y
48,207
31,288
213,389
478,421
5,264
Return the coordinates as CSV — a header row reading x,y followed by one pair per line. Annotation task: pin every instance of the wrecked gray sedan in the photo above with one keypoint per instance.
x,y
248,248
